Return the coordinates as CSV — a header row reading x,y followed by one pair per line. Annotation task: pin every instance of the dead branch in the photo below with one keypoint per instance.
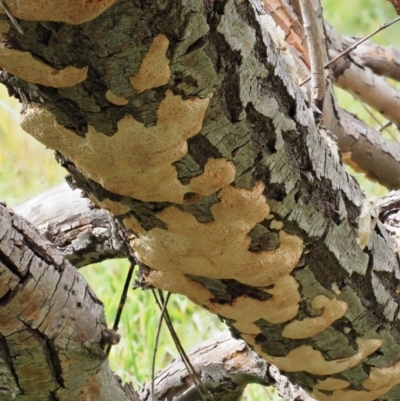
x,y
226,367
83,233
313,36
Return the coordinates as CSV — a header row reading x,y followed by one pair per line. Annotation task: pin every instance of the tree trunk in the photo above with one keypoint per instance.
x,y
184,119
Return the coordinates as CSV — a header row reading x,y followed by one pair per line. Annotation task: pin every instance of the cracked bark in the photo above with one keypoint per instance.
x,y
365,148
83,233
51,323
219,64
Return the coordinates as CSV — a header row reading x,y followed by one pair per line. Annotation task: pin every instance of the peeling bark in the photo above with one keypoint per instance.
x,y
228,181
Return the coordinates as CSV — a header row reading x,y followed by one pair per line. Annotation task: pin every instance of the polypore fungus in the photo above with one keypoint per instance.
x,y
116,208
4,28
113,98
137,161
219,249
24,66
283,306
331,384
180,284
310,326
154,70
70,11
307,359
350,395
381,377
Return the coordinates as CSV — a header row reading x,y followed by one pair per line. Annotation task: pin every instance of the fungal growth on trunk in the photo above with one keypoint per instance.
x,y
194,133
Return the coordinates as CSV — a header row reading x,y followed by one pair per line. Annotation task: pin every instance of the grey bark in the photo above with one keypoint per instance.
x,y
53,328
225,366
82,232
258,121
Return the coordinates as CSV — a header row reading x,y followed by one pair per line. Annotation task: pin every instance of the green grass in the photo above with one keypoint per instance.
x,y
27,169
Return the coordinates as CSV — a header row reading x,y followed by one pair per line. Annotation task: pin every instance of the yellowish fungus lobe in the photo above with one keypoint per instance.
x,y
70,11
4,28
24,66
307,359
114,207
331,384
180,284
219,249
276,225
308,327
137,161
132,224
113,98
154,70
283,306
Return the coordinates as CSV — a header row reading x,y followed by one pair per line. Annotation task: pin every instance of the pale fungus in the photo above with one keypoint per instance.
x,y
23,65
307,359
117,162
113,98
154,70
310,326
70,11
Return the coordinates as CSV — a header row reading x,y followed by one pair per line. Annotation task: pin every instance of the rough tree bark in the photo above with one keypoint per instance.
x,y
184,119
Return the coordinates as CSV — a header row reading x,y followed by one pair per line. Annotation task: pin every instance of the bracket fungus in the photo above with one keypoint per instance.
x,y
23,65
219,249
283,306
71,11
307,359
331,384
333,309
154,70
118,162
180,284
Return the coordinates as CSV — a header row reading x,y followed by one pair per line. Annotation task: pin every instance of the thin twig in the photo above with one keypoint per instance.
x,y
200,384
384,126
203,391
4,5
369,112
153,362
374,118
352,47
122,302
314,45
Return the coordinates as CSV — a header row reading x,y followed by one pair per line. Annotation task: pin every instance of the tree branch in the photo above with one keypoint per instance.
x,y
83,233
355,138
352,75
381,60
314,43
52,326
226,367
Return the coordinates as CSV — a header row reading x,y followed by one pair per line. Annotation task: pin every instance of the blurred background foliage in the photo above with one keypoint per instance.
x,y
27,169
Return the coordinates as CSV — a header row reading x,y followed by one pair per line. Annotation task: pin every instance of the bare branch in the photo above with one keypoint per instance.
x,y
396,5
356,44
82,232
380,59
353,135
370,88
226,367
377,157
313,36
